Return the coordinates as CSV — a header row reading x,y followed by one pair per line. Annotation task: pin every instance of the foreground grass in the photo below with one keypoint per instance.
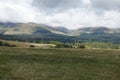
x,y
59,64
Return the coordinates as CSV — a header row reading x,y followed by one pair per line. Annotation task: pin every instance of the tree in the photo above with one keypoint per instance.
x,y
1,43
32,46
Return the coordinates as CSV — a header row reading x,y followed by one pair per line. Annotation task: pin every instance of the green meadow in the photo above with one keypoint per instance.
x,y
59,64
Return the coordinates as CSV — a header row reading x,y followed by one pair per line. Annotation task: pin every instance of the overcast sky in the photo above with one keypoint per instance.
x,y
71,14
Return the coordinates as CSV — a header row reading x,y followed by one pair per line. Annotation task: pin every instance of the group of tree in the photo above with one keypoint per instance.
x,y
6,44
88,45
100,45
66,45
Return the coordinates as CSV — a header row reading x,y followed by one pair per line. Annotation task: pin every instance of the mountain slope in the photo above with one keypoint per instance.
x,y
95,30
33,31
27,29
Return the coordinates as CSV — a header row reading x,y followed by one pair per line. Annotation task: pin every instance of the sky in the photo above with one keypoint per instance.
x,y
71,14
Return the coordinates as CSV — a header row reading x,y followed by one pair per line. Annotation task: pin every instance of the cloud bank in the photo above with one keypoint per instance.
x,y
71,14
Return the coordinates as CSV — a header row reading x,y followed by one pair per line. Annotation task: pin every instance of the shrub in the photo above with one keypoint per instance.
x,y
32,46
82,46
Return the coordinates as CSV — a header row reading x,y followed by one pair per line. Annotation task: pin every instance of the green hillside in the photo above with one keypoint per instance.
x,y
27,29
35,32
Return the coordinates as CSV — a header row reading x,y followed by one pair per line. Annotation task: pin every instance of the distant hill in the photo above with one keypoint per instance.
x,y
95,30
34,31
28,29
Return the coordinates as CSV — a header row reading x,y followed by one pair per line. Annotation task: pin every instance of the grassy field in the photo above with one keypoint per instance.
x,y
59,64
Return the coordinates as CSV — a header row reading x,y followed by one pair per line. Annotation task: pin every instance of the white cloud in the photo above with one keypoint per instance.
x,y
71,15
17,11
73,19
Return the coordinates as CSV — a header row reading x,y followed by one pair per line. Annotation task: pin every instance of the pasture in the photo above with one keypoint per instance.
x,y
59,64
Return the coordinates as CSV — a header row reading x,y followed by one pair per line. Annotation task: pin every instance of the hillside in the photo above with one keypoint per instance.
x,y
101,34
34,31
26,44
28,29
95,30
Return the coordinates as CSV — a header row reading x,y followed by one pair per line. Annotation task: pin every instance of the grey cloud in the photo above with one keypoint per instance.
x,y
57,5
106,4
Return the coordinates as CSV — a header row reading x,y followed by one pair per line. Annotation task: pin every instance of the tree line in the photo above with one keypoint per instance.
x,y
88,45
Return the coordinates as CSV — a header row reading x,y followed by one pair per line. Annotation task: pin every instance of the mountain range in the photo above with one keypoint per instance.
x,y
34,31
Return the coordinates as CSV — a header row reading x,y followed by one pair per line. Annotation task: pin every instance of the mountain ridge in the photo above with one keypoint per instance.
x,y
37,31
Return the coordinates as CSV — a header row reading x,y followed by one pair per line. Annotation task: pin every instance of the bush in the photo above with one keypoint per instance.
x,y
82,46
32,46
